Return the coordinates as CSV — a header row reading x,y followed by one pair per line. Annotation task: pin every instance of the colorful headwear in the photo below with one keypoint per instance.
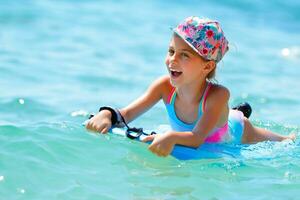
x,y
204,36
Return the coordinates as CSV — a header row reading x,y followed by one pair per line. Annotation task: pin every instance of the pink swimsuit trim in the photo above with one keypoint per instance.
x,y
217,134
171,95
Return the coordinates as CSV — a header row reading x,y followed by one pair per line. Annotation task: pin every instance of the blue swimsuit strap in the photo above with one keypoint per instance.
x,y
172,98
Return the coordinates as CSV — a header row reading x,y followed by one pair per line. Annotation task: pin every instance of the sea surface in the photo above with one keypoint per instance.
x,y
62,59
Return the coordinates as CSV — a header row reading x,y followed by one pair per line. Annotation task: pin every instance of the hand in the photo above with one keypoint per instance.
x,y
101,122
162,144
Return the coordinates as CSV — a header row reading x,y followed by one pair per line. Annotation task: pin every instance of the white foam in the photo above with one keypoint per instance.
x,y
79,113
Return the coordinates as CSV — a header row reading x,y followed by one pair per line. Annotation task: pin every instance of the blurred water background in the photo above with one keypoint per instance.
x,y
60,60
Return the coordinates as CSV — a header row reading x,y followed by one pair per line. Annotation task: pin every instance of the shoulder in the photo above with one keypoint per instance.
x,y
162,80
161,85
218,93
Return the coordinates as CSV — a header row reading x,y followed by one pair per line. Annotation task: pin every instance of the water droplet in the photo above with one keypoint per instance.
x,y
1,178
262,100
21,101
285,52
245,95
291,52
22,191
287,174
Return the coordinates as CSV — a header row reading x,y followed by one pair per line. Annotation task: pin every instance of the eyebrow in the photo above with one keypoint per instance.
x,y
188,50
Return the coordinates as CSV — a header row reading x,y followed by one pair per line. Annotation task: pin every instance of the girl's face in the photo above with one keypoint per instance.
x,y
185,66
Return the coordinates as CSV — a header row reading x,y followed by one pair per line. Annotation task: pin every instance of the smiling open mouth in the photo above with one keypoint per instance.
x,y
175,73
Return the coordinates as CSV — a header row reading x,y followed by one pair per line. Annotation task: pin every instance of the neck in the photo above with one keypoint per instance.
x,y
193,92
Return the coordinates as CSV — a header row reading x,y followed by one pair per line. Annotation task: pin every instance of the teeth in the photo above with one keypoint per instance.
x,y
175,71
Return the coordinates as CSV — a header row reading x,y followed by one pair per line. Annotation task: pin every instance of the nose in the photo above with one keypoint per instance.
x,y
173,58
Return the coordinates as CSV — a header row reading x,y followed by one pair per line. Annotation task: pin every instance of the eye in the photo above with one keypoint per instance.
x,y
185,55
171,52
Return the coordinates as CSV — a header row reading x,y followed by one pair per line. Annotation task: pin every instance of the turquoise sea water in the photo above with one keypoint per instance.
x,y
60,60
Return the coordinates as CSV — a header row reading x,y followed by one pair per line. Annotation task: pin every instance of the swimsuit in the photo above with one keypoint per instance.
x,y
230,131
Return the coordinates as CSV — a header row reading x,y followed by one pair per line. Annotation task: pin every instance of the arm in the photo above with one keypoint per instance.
x,y
215,110
152,95
101,122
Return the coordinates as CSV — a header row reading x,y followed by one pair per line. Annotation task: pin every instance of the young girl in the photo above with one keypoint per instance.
x,y
197,109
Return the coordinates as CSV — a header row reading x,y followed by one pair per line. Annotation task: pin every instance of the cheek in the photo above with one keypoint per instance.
x,y
195,70
167,61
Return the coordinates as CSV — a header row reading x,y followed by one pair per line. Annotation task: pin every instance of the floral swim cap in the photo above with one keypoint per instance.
x,y
205,36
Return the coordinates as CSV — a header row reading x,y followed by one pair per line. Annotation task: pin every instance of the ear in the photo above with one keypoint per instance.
x,y
209,66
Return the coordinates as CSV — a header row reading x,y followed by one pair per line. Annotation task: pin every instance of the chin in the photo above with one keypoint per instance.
x,y
174,83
